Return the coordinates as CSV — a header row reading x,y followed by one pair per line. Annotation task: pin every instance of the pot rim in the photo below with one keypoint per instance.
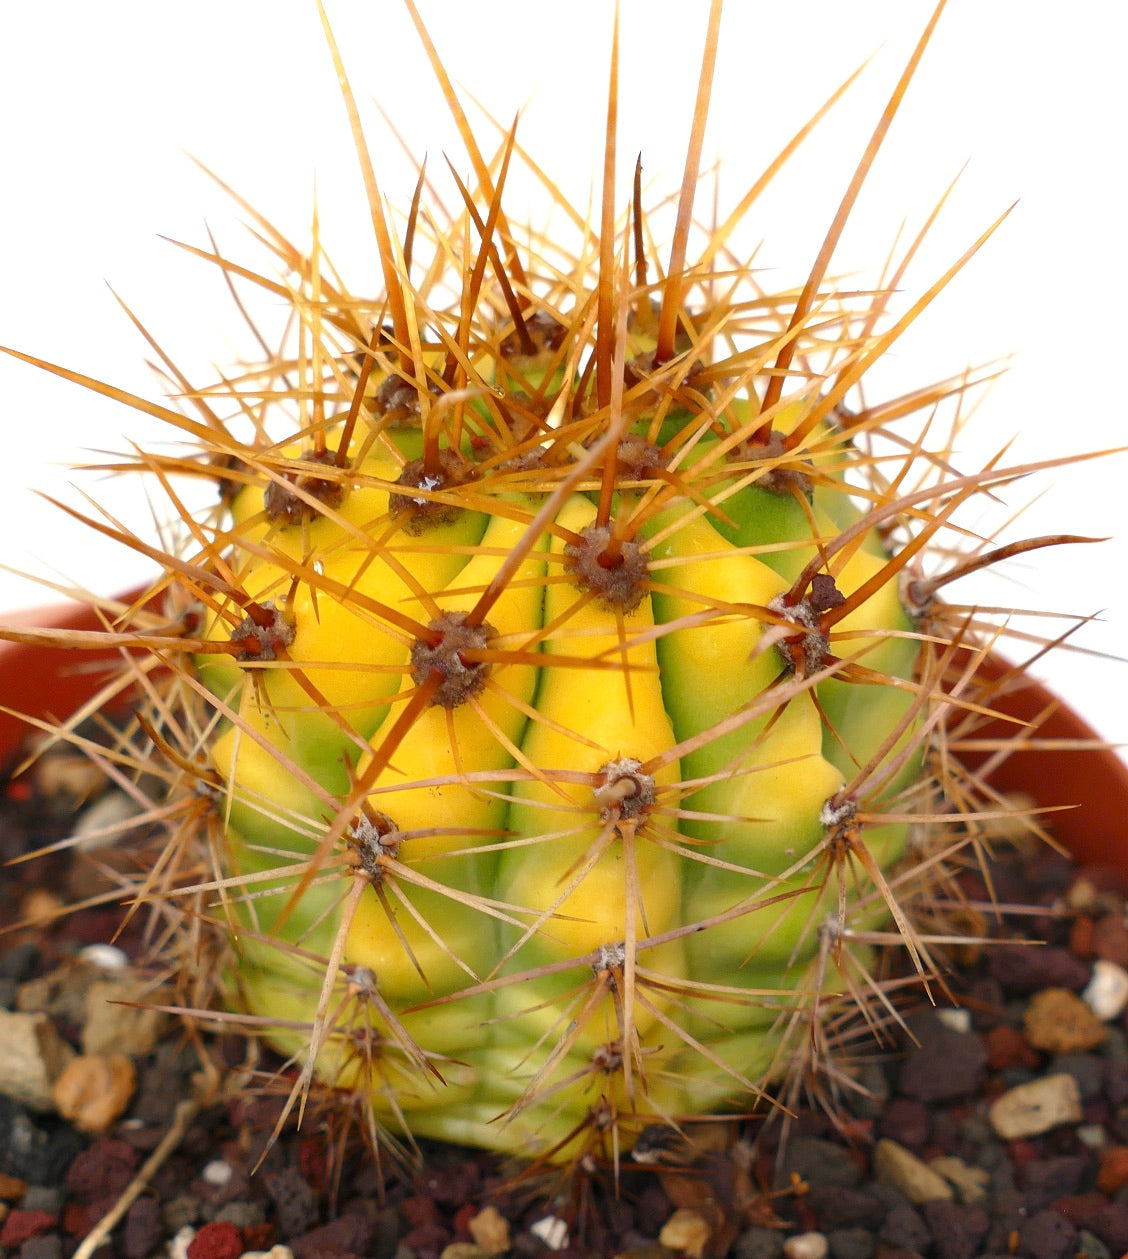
x,y
42,682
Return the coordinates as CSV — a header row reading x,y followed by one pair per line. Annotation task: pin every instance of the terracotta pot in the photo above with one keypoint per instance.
x,y
1064,769
46,682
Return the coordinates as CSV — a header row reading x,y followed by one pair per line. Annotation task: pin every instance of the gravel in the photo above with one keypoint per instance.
x,y
926,1169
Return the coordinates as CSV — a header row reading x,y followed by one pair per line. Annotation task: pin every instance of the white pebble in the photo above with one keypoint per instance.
x,y
806,1246
1031,1109
1107,993
218,1173
957,1020
34,1056
106,821
178,1246
104,956
896,1166
552,1231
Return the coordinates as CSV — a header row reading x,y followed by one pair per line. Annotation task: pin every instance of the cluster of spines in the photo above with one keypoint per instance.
x,y
579,386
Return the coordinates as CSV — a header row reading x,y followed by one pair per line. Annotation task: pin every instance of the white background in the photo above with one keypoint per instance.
x,y
100,103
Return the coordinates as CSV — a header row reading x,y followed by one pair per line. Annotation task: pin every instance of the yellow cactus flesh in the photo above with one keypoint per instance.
x,y
588,792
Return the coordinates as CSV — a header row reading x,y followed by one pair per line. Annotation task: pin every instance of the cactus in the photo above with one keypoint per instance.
x,y
549,711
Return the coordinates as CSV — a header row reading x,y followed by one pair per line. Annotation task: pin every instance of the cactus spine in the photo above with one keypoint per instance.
x,y
544,715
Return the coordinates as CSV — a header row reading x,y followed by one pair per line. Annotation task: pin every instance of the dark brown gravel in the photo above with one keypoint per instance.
x,y
1051,1196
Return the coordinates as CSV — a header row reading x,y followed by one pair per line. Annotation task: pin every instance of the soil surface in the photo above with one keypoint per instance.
x,y
998,1128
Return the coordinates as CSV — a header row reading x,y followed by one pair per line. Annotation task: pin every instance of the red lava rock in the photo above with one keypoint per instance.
x,y
1093,1211
1110,939
984,1001
1115,1084
1096,1110
858,1132
256,1112
217,1240
653,1208
80,1217
428,1240
1081,936
258,1236
294,1201
102,1170
144,1228
1110,1224
20,1226
453,1184
1006,1047
1047,1179
419,1210
906,1122
1047,869
1079,1208
1022,1152
313,1163
945,1134
974,886
348,1234
462,1218
834,1207
1023,969
1047,1235
956,1230
1113,1170
944,1064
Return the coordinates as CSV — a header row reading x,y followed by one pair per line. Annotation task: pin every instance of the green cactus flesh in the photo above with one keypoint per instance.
x,y
581,752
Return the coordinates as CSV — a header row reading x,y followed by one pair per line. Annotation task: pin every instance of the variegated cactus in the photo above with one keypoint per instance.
x,y
549,701
585,757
